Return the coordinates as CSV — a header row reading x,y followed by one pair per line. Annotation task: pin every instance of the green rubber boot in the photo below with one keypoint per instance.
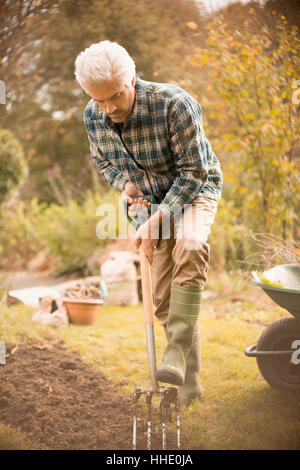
x,y
182,320
192,388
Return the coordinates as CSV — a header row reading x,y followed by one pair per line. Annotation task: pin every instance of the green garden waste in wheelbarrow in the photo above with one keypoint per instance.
x,y
278,349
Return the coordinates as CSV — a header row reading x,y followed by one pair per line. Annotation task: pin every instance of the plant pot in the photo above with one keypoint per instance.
x,y
82,311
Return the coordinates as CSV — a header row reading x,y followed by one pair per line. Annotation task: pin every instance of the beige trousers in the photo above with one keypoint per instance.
x,y
182,255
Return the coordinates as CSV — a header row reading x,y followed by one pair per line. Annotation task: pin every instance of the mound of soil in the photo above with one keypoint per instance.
x,y
60,402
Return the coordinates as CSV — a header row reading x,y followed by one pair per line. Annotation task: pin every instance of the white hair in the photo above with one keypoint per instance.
x,y
104,61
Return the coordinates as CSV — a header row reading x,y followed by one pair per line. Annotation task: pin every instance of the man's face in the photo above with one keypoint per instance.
x,y
114,99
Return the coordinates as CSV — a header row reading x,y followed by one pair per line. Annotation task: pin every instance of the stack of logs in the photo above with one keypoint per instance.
x,y
84,291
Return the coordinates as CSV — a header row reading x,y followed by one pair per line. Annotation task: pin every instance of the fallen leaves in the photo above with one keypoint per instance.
x,y
14,350
42,347
192,25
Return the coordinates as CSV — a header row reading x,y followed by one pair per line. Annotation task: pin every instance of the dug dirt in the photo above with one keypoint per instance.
x,y
49,393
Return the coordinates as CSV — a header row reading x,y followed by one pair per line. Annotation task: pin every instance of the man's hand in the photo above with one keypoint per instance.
x,y
148,235
143,237
130,191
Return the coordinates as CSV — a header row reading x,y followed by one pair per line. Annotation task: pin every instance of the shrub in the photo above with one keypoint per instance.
x,y
12,163
68,233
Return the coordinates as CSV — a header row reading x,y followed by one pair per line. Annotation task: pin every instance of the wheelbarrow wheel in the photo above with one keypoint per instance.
x,y
280,371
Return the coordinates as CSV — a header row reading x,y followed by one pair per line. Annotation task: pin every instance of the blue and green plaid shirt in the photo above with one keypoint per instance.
x,y
162,148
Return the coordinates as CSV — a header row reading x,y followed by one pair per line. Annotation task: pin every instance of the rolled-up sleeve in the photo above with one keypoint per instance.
x,y
188,144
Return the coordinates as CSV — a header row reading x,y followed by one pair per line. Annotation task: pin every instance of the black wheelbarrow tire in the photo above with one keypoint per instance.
x,y
280,371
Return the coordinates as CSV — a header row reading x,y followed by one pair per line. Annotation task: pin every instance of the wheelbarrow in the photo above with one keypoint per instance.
x,y
277,351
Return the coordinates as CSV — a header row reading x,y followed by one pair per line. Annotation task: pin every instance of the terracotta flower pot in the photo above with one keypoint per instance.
x,y
82,311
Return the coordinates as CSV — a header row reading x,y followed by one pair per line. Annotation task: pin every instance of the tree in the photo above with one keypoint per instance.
x,y
254,75
39,41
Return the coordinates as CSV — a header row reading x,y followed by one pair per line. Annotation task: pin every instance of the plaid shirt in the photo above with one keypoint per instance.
x,y
162,148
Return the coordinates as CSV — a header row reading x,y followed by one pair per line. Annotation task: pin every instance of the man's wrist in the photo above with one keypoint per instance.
x,y
154,224
124,187
157,218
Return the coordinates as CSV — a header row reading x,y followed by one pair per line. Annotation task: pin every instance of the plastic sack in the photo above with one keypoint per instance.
x,y
120,276
57,318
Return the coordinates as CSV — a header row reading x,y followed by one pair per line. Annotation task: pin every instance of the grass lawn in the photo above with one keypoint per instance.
x,y
239,409
12,439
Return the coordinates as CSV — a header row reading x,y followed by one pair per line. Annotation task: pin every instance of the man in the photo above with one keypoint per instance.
x,y
147,138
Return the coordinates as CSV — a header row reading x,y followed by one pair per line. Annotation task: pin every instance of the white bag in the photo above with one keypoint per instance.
x,y
57,318
120,276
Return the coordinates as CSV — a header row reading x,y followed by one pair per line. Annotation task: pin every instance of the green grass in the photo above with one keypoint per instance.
x,y
12,439
239,409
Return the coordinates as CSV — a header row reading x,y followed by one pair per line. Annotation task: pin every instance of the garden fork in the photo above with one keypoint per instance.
x,y
169,395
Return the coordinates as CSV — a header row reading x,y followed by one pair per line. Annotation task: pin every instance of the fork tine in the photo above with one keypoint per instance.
x,y
136,397
177,408
169,397
163,420
134,421
149,404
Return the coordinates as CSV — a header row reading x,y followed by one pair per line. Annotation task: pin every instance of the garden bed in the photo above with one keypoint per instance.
x,y
60,402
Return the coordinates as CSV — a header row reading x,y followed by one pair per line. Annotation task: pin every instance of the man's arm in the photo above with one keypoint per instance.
x,y
188,144
111,175
115,179
187,141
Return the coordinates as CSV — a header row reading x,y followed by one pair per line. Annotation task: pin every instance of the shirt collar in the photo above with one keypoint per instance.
x,y
140,110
